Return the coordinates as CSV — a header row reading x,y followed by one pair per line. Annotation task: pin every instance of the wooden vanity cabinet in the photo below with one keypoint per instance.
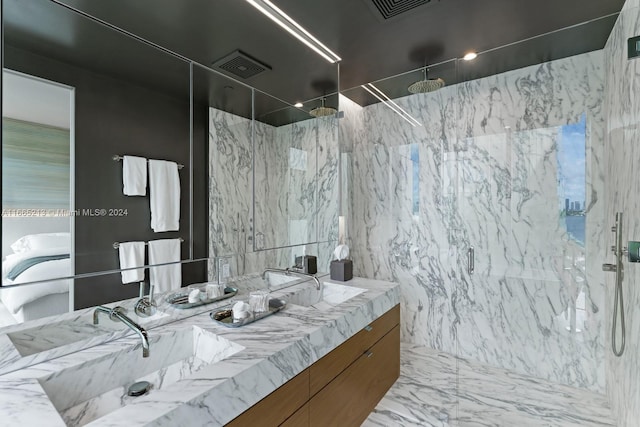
x,y
342,388
351,396
274,409
300,418
331,365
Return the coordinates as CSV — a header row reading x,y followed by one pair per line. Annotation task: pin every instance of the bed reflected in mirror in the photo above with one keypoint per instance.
x,y
37,201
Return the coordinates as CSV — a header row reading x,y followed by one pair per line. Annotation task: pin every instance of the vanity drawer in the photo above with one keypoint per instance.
x,y
330,366
349,399
278,406
347,383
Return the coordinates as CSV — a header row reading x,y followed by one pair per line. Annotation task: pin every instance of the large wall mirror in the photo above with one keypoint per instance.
x,y
295,173
112,95
274,176
257,173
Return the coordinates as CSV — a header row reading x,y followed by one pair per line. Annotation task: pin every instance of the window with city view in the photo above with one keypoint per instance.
x,y
571,154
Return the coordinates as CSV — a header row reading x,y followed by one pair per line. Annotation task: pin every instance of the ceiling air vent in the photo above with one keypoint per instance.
x,y
241,65
392,8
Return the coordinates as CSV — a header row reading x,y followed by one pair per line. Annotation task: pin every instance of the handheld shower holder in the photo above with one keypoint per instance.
x,y
617,268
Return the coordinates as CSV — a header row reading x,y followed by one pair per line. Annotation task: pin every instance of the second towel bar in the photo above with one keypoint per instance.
x,y
116,245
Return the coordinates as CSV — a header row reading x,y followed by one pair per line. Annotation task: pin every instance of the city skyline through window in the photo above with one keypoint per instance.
x,y
571,156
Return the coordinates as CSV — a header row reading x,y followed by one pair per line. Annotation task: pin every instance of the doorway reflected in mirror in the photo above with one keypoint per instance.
x,y
37,201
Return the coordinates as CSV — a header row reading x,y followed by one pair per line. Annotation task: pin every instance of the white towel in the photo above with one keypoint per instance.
x,y
167,277
134,176
131,256
164,192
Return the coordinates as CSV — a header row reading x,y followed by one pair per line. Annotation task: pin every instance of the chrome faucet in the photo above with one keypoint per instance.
x,y
289,272
117,313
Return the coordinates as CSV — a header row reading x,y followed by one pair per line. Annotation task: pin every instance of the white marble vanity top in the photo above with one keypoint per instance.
x,y
259,358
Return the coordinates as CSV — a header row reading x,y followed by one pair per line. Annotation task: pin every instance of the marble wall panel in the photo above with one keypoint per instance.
x,y
296,186
622,105
230,183
487,178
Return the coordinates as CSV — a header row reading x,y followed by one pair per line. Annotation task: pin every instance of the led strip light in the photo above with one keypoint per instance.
x,y
389,103
286,22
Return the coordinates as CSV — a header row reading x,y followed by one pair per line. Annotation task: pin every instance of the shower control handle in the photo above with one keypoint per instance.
x,y
612,268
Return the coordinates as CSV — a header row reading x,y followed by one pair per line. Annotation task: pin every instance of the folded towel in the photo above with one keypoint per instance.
x,y
132,256
166,277
134,176
164,192
241,310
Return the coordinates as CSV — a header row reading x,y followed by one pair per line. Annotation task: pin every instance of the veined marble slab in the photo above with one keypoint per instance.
x,y
622,157
230,183
482,172
43,339
274,350
296,186
48,338
439,389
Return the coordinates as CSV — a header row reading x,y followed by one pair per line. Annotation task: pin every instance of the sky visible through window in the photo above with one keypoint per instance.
x,y
571,156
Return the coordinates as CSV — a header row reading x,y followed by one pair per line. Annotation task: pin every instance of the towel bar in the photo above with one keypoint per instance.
x,y
116,245
117,158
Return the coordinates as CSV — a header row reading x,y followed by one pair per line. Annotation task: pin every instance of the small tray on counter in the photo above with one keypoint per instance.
x,y
181,299
225,317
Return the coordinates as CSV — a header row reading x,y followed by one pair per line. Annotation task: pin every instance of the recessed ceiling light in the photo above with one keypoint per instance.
x,y
293,28
298,104
470,56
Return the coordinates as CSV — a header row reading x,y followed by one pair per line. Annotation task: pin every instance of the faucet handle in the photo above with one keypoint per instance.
x,y
145,307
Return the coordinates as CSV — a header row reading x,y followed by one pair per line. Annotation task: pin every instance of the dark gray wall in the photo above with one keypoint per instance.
x,y
116,117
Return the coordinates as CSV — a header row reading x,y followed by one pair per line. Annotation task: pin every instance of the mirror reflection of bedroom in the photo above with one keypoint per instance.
x,y
37,204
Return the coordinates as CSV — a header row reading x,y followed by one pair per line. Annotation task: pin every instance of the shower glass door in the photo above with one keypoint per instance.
x,y
526,205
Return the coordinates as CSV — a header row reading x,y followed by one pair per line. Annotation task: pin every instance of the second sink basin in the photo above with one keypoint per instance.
x,y
330,295
84,393
54,335
277,280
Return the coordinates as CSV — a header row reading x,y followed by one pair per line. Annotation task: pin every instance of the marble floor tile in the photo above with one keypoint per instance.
x,y
439,389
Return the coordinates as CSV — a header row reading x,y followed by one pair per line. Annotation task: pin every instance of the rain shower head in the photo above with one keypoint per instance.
x,y
426,85
323,111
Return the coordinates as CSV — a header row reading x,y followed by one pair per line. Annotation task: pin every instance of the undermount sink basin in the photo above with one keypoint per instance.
x,y
329,296
82,394
53,335
57,334
276,280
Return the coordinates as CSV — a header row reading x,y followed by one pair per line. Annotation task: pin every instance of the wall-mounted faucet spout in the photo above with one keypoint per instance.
x,y
289,272
117,313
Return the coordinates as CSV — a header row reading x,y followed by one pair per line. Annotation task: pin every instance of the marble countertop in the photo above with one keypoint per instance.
x,y
49,330
266,354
